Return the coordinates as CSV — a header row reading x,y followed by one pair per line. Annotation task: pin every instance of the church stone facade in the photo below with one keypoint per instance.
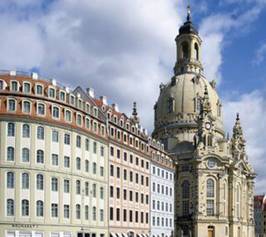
x,y
214,181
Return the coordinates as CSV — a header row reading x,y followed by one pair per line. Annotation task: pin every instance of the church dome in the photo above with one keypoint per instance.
x,y
179,101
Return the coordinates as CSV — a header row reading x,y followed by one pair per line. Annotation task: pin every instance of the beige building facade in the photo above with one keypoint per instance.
x,y
214,182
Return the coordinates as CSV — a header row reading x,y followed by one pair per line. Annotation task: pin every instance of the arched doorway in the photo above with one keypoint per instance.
x,y
211,231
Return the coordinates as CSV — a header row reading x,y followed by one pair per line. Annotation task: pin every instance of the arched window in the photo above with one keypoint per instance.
x,y
26,87
78,211
185,50
25,181
94,213
56,113
40,109
196,48
185,197
78,163
40,156
10,153
87,165
40,132
10,180
171,105
185,189
11,105
78,141
26,107
25,154
26,130
25,207
78,187
86,212
11,129
210,197
10,207
39,208
39,181
210,188
101,192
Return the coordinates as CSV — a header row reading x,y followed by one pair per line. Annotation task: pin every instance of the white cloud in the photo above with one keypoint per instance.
x,y
122,48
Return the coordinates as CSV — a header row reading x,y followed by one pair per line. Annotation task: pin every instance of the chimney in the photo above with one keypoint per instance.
x,y
103,99
12,73
115,107
34,75
53,82
90,92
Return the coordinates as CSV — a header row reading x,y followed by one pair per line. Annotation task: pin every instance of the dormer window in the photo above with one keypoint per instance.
x,y
68,115
121,123
26,87
39,89
80,104
87,108
108,115
11,105
62,96
41,109
1,85
72,99
56,112
115,119
51,92
79,120
95,112
87,123
14,86
26,107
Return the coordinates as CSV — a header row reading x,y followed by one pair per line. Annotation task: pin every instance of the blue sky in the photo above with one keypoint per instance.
x,y
124,49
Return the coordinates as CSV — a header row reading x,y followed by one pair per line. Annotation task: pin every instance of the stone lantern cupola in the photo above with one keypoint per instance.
x,y
188,45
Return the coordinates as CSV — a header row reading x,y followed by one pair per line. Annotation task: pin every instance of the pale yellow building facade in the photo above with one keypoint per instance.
x,y
53,165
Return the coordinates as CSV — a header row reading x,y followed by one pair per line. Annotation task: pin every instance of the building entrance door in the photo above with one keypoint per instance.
x,y
211,232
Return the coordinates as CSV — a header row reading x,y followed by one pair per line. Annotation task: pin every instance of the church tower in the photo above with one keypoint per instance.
x,y
214,181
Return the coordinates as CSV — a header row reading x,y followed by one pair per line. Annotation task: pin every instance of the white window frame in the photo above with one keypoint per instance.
x,y
36,85
23,88
37,110
23,110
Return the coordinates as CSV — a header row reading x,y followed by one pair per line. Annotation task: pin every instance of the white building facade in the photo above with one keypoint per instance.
x,y
162,197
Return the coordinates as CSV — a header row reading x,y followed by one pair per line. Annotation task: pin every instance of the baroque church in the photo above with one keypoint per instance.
x,y
214,181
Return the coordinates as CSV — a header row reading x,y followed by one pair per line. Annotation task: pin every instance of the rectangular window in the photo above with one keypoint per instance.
x,y
55,136
66,186
55,159
94,147
117,214
66,161
54,210
111,213
66,211
125,215
210,207
67,139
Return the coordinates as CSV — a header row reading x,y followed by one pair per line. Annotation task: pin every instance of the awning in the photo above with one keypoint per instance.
x,y
124,235
119,234
112,234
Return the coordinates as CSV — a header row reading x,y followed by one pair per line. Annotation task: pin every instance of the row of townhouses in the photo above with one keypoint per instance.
x,y
73,166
